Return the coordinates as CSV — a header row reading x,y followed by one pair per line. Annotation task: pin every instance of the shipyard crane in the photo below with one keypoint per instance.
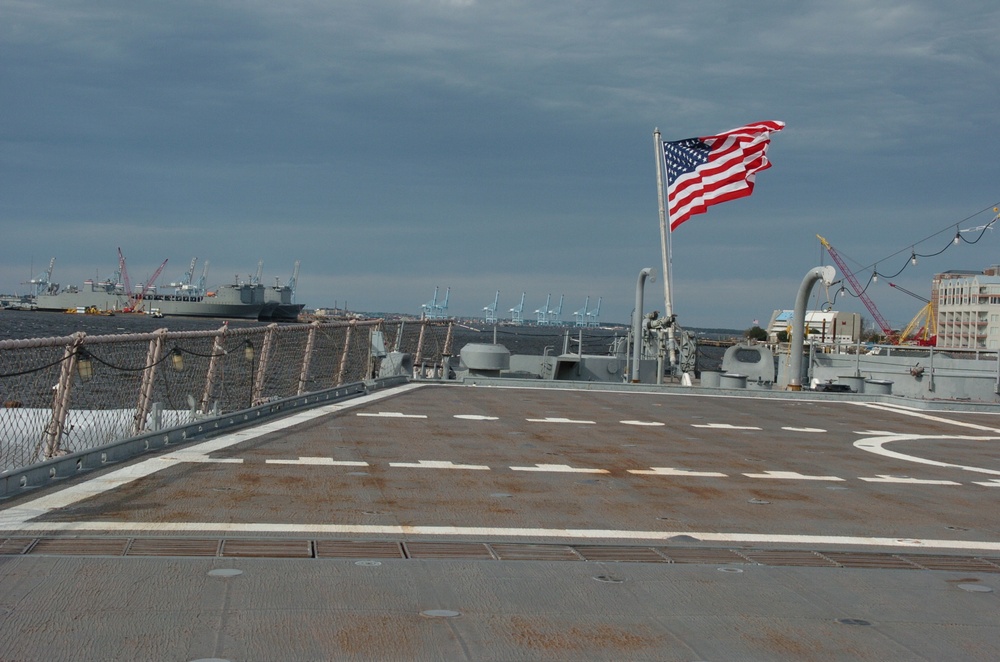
x,y
129,294
887,331
42,283
555,316
581,315
595,313
491,311
926,334
543,313
255,279
150,286
517,313
441,309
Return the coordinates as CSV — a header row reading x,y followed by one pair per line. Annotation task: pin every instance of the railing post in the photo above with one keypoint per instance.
x,y
60,403
342,370
418,359
218,351
257,391
447,339
307,357
148,375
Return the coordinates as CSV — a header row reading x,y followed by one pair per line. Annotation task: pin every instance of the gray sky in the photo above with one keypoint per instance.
x,y
395,146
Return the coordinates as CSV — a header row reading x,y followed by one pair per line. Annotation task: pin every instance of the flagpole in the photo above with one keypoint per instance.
x,y
665,238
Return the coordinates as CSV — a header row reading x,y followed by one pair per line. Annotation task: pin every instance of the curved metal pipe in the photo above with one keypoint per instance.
x,y
827,274
637,322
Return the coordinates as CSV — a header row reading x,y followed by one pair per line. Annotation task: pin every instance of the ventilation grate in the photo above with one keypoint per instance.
x,y
448,550
346,549
80,546
524,552
173,547
621,554
277,548
270,548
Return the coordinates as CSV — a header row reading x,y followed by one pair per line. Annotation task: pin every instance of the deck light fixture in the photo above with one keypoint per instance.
x,y
913,259
84,365
177,359
248,351
958,236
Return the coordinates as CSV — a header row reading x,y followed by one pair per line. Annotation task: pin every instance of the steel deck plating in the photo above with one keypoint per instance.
x,y
456,522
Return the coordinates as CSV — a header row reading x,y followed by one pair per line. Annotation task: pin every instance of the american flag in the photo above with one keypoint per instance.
x,y
705,171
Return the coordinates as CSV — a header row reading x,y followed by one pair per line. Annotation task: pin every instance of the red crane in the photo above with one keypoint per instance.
x,y
134,303
860,292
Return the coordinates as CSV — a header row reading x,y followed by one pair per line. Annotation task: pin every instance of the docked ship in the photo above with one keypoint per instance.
x,y
237,300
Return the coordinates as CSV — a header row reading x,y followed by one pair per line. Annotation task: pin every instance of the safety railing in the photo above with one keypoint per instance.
x,y
79,392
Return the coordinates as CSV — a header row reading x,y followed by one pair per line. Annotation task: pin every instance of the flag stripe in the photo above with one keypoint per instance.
x,y
708,170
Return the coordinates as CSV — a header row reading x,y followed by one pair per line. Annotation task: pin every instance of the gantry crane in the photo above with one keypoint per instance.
x,y
887,331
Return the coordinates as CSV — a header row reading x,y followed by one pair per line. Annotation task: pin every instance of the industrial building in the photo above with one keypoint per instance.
x,y
824,326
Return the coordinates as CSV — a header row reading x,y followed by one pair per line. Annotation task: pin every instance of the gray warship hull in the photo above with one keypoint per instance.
x,y
230,301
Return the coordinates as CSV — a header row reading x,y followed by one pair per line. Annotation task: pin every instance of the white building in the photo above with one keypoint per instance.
x,y
824,326
968,308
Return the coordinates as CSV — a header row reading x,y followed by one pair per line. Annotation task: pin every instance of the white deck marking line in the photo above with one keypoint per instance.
x,y
390,414
20,514
876,445
559,420
989,483
320,461
723,426
560,468
476,417
670,471
183,456
803,429
886,478
646,423
928,417
792,475
498,532
439,464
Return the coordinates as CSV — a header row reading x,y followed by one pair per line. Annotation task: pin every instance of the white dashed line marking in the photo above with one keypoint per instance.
x,y
886,478
438,464
391,414
804,429
669,471
560,468
320,461
642,423
476,417
791,475
559,420
724,426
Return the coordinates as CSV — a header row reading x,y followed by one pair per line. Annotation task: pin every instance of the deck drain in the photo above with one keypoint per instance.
x,y
224,572
608,579
759,502
853,621
369,564
975,588
440,613
733,570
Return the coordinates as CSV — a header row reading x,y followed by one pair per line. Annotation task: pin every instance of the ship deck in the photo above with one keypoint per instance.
x,y
451,522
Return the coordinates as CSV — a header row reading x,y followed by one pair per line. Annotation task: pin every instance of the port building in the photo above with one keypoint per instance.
x,y
824,326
